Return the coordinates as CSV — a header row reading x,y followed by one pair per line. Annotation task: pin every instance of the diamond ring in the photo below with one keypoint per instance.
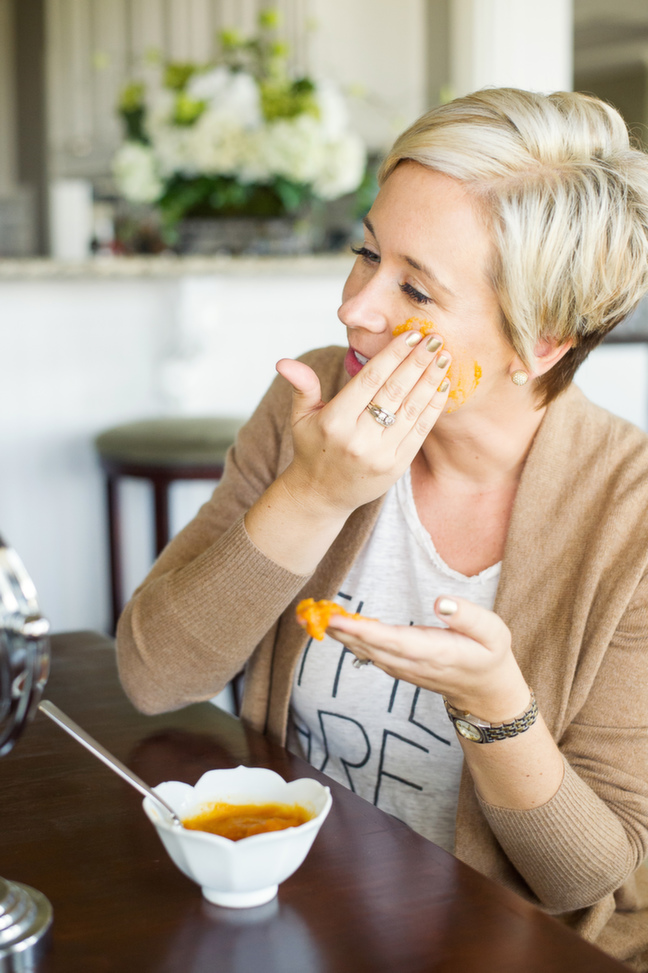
x,y
381,416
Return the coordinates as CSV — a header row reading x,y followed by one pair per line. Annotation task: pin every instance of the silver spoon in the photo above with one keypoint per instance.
x,y
55,714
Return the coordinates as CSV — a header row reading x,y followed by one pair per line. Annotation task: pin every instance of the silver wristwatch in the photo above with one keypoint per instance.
x,y
480,731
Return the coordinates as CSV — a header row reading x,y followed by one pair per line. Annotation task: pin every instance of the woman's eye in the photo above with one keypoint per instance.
x,y
366,254
415,295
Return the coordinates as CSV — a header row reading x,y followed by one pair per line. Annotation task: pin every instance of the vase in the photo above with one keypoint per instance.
x,y
283,236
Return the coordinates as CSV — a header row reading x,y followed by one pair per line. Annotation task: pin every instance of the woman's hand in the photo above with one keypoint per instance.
x,y
343,456
472,665
470,662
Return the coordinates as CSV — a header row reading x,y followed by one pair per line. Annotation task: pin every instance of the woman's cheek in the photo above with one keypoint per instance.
x,y
464,379
464,375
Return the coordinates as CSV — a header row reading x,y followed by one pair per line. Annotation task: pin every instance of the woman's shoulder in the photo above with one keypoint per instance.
x,y
584,427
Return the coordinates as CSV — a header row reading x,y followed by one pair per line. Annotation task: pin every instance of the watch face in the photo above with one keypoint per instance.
x,y
468,731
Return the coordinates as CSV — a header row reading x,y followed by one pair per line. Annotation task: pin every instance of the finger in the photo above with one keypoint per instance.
x,y
400,384
360,391
417,393
307,391
473,621
424,422
430,391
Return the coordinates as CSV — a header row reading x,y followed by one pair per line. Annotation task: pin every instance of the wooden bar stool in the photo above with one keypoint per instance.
x,y
160,451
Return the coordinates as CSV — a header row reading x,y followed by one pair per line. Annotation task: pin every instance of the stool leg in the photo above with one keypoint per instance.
x,y
114,540
161,499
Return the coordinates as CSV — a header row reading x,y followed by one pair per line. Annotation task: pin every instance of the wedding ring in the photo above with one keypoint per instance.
x,y
359,663
382,416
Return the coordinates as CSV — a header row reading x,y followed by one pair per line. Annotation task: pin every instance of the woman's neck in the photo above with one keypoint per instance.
x,y
480,451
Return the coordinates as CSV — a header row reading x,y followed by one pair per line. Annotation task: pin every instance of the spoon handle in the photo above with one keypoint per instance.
x,y
59,717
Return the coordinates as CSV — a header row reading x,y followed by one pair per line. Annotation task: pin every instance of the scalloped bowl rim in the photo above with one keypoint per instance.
x,y
169,790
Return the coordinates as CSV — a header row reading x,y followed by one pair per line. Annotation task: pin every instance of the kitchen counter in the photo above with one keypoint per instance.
x,y
170,265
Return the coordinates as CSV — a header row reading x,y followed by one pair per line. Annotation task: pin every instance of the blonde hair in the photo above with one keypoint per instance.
x,y
565,195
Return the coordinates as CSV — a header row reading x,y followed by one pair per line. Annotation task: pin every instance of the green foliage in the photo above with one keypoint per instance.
x,y
132,97
202,196
132,110
367,190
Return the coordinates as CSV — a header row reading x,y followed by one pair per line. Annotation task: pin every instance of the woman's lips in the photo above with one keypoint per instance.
x,y
354,361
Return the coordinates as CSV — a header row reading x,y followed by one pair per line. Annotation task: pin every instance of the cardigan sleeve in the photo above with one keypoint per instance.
x,y
592,835
212,594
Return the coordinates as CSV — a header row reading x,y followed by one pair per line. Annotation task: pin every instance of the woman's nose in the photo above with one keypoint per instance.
x,y
364,307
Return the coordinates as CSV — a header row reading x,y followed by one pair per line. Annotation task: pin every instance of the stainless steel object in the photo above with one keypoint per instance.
x,y
59,717
24,648
25,914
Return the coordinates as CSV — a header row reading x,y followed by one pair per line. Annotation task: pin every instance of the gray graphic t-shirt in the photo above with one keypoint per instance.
x,y
389,741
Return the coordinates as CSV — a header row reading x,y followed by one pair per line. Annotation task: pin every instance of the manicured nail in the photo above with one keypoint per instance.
x,y
445,385
447,606
434,344
443,361
413,338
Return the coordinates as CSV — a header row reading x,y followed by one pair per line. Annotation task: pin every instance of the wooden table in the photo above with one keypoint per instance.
x,y
371,896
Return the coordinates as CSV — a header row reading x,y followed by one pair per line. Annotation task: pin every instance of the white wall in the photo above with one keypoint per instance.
x,y
80,356
516,43
379,48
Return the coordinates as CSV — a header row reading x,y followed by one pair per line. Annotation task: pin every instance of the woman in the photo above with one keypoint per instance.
x,y
451,483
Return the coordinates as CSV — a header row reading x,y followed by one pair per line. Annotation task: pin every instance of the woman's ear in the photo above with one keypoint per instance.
x,y
547,352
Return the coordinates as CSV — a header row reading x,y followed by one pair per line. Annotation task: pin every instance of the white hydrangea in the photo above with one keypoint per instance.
x,y
332,109
217,145
135,170
294,148
230,94
343,169
231,138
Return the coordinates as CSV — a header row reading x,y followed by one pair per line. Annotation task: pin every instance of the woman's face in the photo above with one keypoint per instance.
x,y
424,260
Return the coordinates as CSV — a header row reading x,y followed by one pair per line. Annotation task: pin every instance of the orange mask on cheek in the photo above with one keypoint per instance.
x,y
414,324
464,378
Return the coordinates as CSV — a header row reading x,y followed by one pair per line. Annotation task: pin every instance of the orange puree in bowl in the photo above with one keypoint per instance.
x,y
236,821
317,615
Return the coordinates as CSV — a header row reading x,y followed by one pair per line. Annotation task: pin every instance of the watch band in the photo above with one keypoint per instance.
x,y
481,731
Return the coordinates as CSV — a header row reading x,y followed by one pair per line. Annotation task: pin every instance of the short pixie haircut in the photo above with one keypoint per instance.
x,y
565,196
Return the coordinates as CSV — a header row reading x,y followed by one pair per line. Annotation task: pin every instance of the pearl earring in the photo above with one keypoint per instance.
x,y
519,377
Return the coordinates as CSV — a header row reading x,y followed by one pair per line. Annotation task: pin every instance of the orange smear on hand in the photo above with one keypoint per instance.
x,y
317,614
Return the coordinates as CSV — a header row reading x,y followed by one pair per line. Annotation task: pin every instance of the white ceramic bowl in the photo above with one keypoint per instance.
x,y
244,873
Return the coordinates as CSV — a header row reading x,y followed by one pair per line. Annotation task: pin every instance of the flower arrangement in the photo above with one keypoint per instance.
x,y
237,137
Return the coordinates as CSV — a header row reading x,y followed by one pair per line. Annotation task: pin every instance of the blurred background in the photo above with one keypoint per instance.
x,y
142,275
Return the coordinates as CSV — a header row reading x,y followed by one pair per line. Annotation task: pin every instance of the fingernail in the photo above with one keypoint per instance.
x,y
445,385
434,344
443,361
447,606
414,338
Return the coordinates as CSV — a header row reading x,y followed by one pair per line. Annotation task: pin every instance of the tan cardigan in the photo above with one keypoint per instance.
x,y
573,591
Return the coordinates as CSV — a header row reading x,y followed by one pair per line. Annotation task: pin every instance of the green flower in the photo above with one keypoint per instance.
x,y
230,39
269,19
132,97
287,99
187,110
177,74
